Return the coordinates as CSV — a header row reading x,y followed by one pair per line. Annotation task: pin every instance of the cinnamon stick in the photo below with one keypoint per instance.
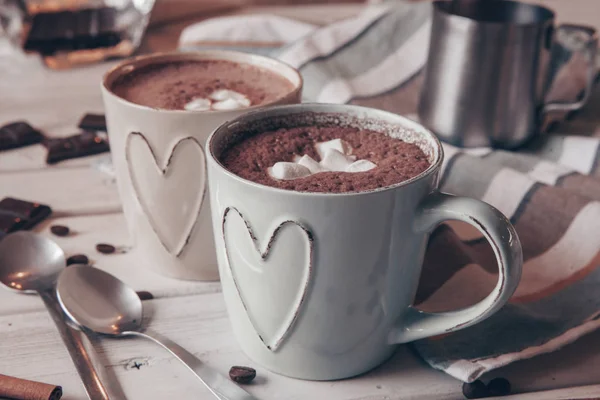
x,y
23,389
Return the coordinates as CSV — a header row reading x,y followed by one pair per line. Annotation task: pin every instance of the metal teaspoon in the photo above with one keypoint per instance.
x,y
30,263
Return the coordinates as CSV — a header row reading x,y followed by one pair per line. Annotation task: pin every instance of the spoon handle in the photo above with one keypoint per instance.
x,y
75,341
222,387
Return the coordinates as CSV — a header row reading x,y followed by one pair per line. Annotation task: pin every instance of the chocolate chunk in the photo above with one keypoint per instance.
x,y
78,259
475,390
88,28
105,248
107,20
499,387
83,26
60,230
93,122
10,222
145,295
23,214
18,134
242,375
84,144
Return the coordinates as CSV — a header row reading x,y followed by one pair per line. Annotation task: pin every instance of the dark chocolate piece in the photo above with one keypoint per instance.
x,y
475,390
9,222
18,134
60,230
83,27
78,259
105,248
93,122
73,30
498,387
145,295
84,144
28,214
243,375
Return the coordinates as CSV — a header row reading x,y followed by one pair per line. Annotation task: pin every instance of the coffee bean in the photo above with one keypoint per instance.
x,y
78,259
475,390
242,375
499,387
105,248
60,230
145,295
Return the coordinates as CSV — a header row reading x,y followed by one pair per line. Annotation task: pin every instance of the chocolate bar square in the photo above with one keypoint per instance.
x,y
93,122
81,145
18,214
90,28
18,134
10,222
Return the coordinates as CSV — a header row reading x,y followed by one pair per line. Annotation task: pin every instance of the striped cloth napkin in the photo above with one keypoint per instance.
x,y
550,190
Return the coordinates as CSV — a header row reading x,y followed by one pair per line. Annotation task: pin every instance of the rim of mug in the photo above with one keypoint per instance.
x,y
130,64
551,14
327,108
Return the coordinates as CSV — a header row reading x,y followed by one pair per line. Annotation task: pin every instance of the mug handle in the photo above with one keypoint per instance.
x,y
436,208
589,49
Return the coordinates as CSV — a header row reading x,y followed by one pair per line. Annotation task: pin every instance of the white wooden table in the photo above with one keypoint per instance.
x,y
192,313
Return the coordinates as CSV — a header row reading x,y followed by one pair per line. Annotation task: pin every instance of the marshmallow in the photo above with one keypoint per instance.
x,y
288,170
335,161
312,165
335,144
198,104
224,94
360,166
228,100
228,104
334,157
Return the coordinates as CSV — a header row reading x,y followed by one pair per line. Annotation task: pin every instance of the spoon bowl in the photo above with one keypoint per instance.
x,y
29,262
99,301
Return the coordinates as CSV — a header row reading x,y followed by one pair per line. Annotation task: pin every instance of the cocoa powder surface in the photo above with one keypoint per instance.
x,y
396,160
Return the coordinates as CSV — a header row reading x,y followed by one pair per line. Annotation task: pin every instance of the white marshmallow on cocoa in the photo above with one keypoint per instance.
x,y
335,144
226,99
198,104
334,160
310,163
288,170
361,166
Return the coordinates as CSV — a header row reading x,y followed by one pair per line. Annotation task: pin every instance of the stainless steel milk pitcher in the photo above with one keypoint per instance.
x,y
489,70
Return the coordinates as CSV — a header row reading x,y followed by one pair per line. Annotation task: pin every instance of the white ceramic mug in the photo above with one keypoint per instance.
x,y
160,164
320,285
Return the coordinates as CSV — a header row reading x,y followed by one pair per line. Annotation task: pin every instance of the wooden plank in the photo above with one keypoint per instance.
x,y
69,191
34,157
31,349
129,267
52,101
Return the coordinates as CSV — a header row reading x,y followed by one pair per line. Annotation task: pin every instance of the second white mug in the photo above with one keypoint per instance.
x,y
160,164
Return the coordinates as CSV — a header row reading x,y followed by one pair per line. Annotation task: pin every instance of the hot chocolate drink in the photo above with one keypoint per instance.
x,y
325,159
201,85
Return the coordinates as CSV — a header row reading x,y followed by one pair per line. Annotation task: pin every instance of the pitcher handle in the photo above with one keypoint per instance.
x,y
589,49
436,208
